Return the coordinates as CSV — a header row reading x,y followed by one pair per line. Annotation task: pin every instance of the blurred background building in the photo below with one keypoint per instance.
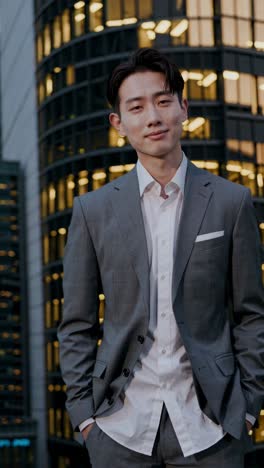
x,y
56,56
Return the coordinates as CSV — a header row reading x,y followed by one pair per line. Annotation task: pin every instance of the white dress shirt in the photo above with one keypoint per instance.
x,y
163,372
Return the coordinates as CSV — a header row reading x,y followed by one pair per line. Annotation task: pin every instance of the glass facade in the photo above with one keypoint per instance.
x,y
218,45
17,431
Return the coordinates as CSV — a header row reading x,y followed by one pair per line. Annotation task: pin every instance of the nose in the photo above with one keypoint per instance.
x,y
153,117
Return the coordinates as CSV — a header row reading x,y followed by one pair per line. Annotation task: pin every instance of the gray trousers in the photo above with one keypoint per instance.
x,y
104,452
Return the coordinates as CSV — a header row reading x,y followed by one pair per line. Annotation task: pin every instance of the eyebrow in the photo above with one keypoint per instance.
x,y
138,98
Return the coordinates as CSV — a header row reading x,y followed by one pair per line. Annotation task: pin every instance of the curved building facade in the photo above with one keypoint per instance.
x,y
217,44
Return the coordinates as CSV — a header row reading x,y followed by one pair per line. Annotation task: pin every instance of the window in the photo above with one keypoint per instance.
x,y
98,179
259,35
79,18
260,89
66,26
201,32
145,9
196,128
57,36
70,75
113,13
47,40
39,47
260,153
242,173
196,8
200,84
96,16
259,9
83,182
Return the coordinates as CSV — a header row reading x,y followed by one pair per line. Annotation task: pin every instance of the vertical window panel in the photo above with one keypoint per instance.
x,y
47,40
48,321
145,9
57,36
228,31
260,81
145,38
66,26
61,195
243,8
228,7
193,33
51,422
52,198
39,47
44,203
244,33
46,249
192,8
206,8
113,10
253,92
259,9
96,16
70,190
260,153
129,8
70,75
244,89
231,90
207,33
259,35
79,21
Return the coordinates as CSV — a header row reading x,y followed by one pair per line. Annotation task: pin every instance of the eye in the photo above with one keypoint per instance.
x,y
135,108
165,101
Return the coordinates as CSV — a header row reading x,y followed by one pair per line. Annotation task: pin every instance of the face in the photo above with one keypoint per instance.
x,y
150,116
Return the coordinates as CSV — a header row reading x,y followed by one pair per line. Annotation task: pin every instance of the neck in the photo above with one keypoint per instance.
x,y
162,170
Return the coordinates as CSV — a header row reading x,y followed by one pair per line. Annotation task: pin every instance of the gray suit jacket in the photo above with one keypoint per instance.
x,y
218,297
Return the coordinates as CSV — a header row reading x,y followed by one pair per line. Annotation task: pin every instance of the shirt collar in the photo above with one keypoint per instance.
x,y
146,181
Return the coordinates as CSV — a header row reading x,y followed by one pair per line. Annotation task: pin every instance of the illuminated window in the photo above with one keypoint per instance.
x,y
200,84
56,355
47,40
44,203
96,16
178,31
61,195
146,36
56,310
57,36
115,139
240,89
52,198
260,153
244,31
70,190
240,8
83,182
61,242
212,166
49,357
66,26
260,181
41,92
79,18
260,89
46,249
259,9
51,421
240,147
129,8
259,35
98,179
39,47
113,12
49,85
196,127
231,87
201,32
48,321
145,9
67,425
196,8
242,173
70,75
115,172
58,422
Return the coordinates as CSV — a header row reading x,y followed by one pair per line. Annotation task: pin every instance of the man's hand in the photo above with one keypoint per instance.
x,y
249,426
86,430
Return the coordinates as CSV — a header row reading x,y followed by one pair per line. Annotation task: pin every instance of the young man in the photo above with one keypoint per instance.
x,y
178,378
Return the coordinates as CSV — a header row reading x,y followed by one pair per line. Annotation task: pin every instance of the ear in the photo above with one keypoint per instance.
x,y
115,121
184,106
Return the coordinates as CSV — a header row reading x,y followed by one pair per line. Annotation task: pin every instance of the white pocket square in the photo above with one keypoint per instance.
x,y
209,235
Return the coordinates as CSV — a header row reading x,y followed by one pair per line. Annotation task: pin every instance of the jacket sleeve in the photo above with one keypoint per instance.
x,y
248,305
79,330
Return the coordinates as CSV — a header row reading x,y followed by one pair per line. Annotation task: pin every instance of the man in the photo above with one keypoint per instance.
x,y
178,378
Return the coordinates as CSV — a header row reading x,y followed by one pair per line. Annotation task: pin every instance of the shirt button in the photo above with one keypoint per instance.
x,y
163,351
163,277
163,314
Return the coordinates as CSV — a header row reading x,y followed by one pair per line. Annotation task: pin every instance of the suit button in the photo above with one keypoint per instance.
x,y
126,372
141,339
110,401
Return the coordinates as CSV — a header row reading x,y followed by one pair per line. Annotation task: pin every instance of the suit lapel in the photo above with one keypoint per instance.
x,y
197,194
126,205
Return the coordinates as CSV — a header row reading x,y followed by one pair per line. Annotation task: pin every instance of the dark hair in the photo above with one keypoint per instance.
x,y
144,59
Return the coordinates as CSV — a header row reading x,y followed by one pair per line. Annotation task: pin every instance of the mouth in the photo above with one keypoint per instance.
x,y
157,135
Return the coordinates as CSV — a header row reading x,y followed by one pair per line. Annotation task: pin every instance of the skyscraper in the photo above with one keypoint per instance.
x,y
65,143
